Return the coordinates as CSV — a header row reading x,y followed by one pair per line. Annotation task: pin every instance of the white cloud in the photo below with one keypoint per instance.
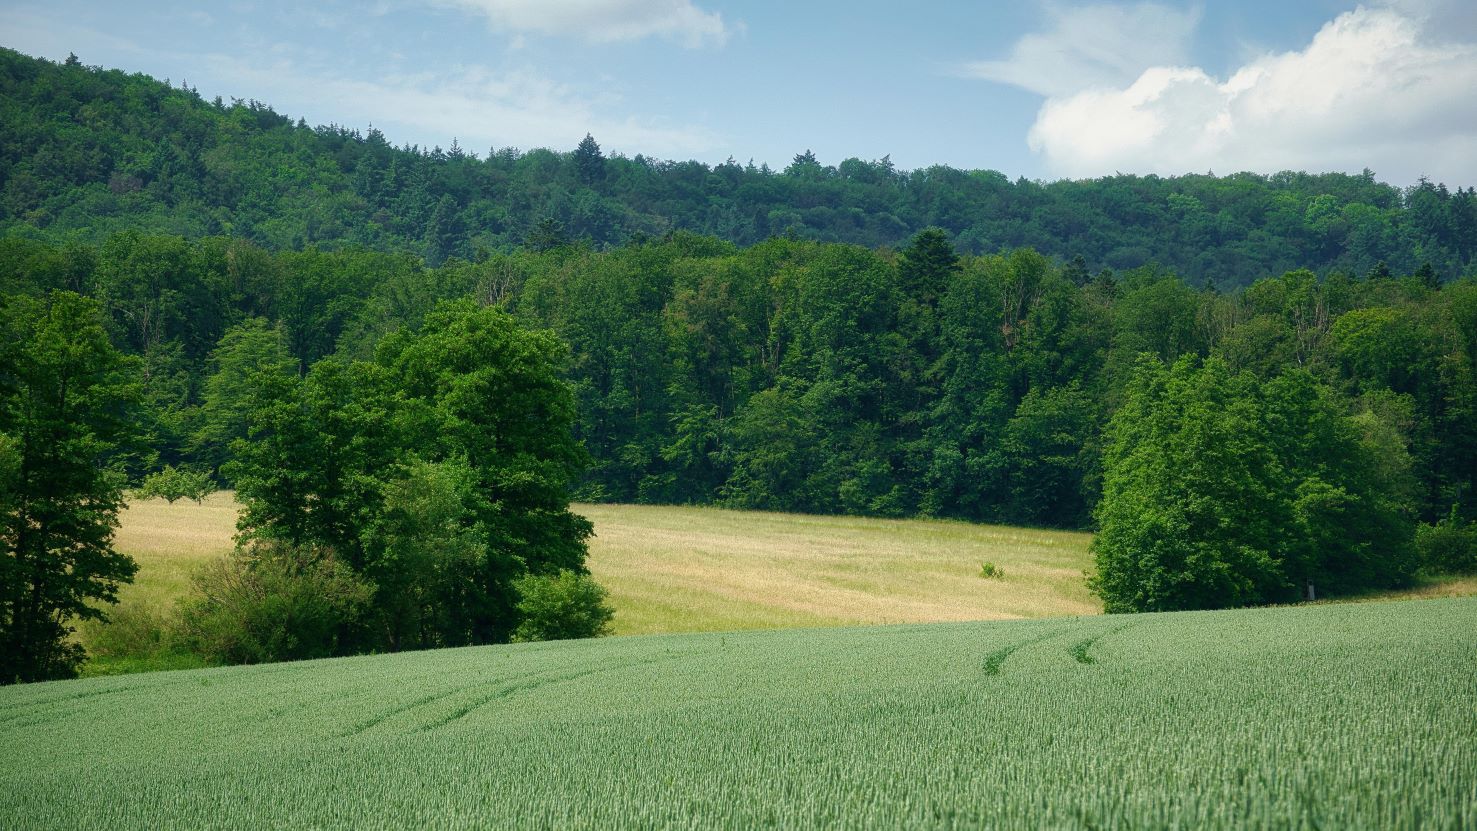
x,y
603,21
1375,88
1091,46
479,107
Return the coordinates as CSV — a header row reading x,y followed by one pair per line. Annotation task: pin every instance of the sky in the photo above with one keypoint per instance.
x,y
1045,89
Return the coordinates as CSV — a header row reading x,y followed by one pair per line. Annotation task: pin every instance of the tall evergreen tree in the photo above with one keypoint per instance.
x,y
588,161
926,266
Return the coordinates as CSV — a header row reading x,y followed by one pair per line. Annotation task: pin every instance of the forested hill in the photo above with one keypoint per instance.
x,y
86,152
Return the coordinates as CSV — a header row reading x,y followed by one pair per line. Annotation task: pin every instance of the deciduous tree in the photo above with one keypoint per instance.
x,y
66,398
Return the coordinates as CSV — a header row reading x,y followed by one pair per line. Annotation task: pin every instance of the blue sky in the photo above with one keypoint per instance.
x,y
1043,90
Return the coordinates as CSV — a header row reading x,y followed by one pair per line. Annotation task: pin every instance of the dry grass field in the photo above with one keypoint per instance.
x,y
685,569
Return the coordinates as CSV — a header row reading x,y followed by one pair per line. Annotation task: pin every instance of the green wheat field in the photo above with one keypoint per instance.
x,y
1324,716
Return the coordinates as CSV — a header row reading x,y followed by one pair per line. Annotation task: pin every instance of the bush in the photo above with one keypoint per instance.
x,y
990,571
1449,546
274,603
136,637
560,607
131,630
174,483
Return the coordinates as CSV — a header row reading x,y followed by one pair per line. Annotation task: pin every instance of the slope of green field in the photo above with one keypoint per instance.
x,y
1325,716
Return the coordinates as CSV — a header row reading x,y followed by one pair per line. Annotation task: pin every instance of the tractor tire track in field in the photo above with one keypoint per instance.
x,y
15,713
55,708
423,701
502,689
62,699
1079,650
994,660
536,683
52,710
46,708
385,715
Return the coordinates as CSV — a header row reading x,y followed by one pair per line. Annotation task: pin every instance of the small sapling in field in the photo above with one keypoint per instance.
x,y
990,571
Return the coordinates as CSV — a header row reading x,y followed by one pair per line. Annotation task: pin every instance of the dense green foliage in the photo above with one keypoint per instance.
x,y
66,414
86,152
561,607
172,483
294,341
1220,490
439,472
1449,546
1331,716
273,603
791,375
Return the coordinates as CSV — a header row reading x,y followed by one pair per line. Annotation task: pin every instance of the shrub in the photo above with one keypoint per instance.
x,y
131,630
174,483
1449,546
561,606
990,571
274,603
137,637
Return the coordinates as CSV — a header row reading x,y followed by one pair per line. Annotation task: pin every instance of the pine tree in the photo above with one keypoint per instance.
x,y
588,161
926,266
443,232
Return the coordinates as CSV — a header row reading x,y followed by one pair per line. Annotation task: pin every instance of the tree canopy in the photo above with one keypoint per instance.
x,y
67,408
1220,490
440,472
148,156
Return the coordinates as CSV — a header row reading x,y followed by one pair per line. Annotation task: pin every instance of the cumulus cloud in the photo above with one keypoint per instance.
x,y
1091,46
1376,87
603,20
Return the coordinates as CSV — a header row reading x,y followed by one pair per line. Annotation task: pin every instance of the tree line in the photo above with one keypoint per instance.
x,y
405,439
86,152
416,500
791,375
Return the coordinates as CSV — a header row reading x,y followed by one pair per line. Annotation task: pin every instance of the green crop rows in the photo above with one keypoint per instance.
x,y
1339,716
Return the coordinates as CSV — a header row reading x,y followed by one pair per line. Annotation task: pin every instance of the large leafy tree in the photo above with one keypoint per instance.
x,y
247,350
66,396
1190,510
441,471
1219,491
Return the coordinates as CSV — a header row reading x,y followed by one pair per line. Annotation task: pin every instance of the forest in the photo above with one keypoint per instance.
x,y
795,375
87,152
405,363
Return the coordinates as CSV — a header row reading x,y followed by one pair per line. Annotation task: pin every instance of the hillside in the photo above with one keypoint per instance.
x,y
1345,716
86,152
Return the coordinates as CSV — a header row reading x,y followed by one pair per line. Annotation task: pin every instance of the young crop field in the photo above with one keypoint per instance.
x,y
1324,716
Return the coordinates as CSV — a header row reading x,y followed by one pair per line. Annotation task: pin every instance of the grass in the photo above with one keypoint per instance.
x,y
686,569
169,542
1322,716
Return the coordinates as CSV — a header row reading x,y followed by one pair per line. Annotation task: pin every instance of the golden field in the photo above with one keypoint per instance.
x,y
690,569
